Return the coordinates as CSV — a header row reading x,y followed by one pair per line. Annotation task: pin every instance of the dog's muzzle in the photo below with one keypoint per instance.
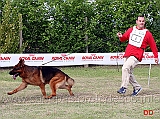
x,y
14,74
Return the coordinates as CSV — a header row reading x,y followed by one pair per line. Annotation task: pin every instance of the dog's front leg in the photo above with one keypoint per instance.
x,y
42,86
21,87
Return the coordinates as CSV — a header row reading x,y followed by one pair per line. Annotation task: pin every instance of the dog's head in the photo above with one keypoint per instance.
x,y
17,69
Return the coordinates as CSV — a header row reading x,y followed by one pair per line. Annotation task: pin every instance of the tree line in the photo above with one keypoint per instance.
x,y
67,26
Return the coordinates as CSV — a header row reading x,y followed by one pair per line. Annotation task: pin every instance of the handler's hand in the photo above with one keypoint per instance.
x,y
156,60
119,34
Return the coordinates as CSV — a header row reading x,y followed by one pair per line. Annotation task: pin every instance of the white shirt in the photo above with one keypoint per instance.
x,y
137,36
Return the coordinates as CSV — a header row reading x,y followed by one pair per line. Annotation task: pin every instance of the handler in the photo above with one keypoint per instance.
x,y
138,39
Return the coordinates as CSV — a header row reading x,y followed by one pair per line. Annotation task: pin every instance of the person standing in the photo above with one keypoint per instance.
x,y
138,39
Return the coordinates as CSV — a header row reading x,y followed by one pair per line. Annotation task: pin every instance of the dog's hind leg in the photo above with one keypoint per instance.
x,y
42,86
70,83
69,90
67,87
21,87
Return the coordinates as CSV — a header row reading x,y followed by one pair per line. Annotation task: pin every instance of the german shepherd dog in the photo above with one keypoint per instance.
x,y
40,76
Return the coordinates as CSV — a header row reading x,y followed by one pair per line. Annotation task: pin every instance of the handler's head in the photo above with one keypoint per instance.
x,y
140,22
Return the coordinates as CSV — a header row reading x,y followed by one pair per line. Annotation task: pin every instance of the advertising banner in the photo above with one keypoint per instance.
x,y
70,59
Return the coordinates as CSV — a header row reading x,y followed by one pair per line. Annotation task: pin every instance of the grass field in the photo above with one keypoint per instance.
x,y
95,97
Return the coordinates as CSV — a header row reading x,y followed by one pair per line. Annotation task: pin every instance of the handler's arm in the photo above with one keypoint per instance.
x,y
153,47
124,37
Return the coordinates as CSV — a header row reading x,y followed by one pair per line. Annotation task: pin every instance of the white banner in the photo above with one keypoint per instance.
x,y
67,59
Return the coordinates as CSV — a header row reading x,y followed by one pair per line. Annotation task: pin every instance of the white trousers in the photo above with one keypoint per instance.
x,y
127,73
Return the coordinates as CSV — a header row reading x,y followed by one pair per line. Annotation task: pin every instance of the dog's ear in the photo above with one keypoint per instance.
x,y
21,61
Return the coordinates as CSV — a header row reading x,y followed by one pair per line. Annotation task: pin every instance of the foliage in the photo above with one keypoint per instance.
x,y
68,26
9,30
35,24
62,26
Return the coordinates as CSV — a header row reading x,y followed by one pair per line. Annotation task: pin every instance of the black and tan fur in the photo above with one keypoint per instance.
x,y
40,76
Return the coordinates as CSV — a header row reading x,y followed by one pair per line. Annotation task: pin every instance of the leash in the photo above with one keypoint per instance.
x,y
55,59
62,56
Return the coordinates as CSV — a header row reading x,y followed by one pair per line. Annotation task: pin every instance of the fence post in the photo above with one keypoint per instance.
x,y
86,39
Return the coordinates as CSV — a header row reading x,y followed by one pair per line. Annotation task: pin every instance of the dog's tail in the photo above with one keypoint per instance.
x,y
70,81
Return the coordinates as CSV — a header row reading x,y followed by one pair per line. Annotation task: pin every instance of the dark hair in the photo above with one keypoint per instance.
x,y
140,15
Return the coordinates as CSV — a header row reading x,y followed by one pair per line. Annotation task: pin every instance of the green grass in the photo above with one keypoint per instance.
x,y
95,96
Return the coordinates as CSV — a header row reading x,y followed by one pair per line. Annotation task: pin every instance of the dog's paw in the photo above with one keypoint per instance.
x,y
9,93
45,97
72,94
49,97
